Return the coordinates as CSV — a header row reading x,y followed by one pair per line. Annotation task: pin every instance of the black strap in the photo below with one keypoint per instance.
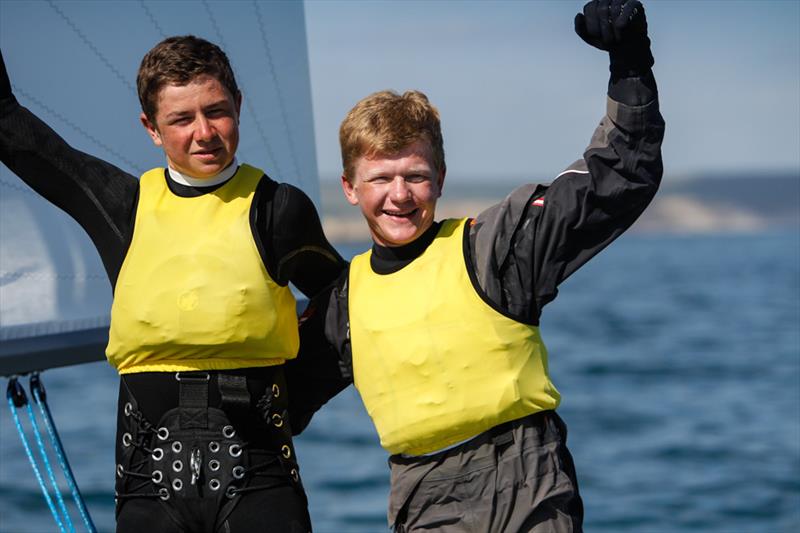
x,y
193,398
233,392
503,434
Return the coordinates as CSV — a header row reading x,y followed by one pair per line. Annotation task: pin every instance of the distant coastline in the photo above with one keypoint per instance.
x,y
702,204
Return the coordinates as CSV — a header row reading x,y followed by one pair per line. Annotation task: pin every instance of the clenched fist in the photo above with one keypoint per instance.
x,y
619,27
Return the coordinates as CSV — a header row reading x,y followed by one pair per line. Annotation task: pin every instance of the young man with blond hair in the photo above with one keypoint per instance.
x,y
200,255
437,324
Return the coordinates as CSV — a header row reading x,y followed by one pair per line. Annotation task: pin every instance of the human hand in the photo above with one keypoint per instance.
x,y
620,28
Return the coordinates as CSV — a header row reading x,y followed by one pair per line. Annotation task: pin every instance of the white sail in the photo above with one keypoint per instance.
x,y
74,65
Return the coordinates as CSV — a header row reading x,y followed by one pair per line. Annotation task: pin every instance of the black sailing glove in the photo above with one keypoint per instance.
x,y
619,27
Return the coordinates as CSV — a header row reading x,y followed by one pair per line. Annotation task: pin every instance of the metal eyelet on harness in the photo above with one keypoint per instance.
x,y
213,464
119,470
235,450
230,492
276,391
277,420
163,433
286,451
157,454
128,409
238,472
177,485
157,476
213,446
177,465
213,484
177,447
228,432
126,439
295,475
205,375
163,493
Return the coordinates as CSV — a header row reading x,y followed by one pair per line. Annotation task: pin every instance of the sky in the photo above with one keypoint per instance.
x,y
519,93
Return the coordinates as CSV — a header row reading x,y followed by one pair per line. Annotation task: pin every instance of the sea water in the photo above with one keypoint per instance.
x,y
678,359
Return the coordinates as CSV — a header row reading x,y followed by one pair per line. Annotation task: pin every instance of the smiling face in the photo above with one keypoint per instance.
x,y
397,193
197,125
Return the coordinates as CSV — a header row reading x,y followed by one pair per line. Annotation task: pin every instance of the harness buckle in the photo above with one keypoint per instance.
x,y
195,464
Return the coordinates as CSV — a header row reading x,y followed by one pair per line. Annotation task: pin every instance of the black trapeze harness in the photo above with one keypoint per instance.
x,y
197,454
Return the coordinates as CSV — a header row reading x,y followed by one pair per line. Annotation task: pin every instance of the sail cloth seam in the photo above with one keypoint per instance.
x,y
251,110
39,276
285,119
19,188
77,128
152,19
247,101
89,193
92,47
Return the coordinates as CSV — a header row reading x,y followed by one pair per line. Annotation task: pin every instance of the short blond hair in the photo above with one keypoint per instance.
x,y
386,123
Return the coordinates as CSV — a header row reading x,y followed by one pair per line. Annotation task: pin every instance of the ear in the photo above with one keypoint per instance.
x,y
238,103
151,129
349,191
441,182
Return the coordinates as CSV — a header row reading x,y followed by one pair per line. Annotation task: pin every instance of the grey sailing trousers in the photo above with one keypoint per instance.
x,y
518,477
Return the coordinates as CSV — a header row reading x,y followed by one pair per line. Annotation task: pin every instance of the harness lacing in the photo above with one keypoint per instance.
x,y
144,433
244,474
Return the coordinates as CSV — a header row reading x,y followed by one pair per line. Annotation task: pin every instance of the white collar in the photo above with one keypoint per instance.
x,y
226,174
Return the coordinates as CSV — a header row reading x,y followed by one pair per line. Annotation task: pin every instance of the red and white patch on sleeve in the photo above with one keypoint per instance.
x,y
539,202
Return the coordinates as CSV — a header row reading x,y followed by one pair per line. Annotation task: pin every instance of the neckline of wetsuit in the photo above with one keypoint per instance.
x,y
390,259
190,191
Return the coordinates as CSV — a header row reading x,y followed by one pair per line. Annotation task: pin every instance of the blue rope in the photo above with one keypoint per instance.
x,y
39,394
48,468
14,388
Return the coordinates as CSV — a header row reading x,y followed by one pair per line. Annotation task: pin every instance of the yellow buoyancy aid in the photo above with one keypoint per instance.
x,y
433,362
193,292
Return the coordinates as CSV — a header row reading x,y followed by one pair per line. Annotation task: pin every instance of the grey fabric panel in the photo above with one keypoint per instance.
x,y
634,119
493,235
520,253
486,485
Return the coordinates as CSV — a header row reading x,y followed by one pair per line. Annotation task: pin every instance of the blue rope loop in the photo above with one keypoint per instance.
x,y
40,396
17,399
49,469
37,389
14,394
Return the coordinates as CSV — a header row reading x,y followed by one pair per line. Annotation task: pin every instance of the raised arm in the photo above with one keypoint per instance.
x,y
98,195
524,247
